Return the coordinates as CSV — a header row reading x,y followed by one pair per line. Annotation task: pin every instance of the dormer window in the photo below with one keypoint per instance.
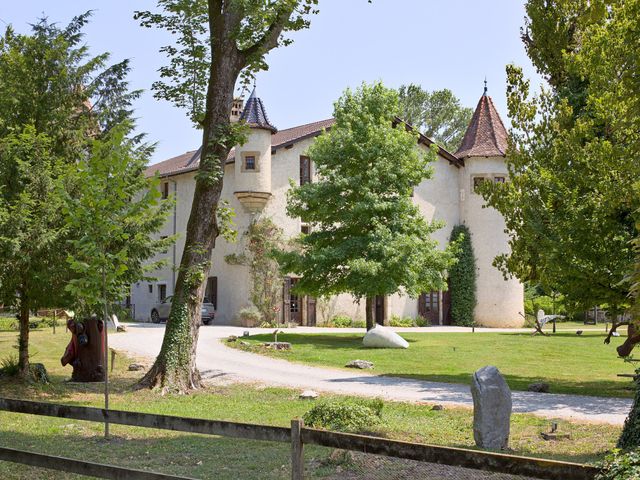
x,y
250,162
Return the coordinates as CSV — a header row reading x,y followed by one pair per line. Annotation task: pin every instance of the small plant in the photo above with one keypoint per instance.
x,y
342,321
621,465
358,324
9,365
249,317
345,415
422,322
397,321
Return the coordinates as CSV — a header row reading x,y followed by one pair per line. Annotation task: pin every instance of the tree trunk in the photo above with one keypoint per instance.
x,y
175,367
369,306
630,436
23,339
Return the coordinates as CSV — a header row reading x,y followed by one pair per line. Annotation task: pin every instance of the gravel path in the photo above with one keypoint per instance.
x,y
216,361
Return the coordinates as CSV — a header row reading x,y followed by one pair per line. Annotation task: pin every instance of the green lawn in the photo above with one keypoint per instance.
x,y
226,458
568,362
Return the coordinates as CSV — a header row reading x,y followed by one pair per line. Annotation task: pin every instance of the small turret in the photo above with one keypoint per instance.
x,y
253,159
484,149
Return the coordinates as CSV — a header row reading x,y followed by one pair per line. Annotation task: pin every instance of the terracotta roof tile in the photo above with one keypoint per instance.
x,y
189,161
486,135
290,135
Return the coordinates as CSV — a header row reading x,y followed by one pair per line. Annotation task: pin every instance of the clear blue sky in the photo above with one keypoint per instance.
x,y
439,44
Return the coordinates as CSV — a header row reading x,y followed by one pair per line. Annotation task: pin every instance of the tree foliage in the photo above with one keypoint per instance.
x,y
53,98
113,213
218,43
462,278
368,238
437,114
261,239
574,156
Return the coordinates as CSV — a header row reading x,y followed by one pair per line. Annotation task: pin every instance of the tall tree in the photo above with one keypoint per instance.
x,y
368,238
217,42
570,159
113,212
53,98
437,114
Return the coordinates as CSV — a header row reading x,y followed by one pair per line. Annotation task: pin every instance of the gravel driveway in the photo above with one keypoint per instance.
x,y
215,360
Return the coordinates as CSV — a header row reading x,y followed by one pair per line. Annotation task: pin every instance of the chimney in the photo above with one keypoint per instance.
x,y
236,109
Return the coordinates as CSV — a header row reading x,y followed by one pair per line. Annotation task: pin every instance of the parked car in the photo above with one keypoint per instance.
x,y
160,311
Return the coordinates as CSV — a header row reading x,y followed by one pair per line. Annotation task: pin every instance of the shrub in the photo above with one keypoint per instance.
x,y
9,365
249,316
396,321
621,465
345,415
462,279
342,321
358,324
422,322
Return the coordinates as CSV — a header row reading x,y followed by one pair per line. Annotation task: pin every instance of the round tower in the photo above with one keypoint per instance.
x,y
500,302
253,159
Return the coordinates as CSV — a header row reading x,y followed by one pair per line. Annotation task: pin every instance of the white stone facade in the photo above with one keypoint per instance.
x,y
447,196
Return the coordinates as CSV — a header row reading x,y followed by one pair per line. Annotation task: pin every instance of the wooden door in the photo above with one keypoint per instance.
x,y
429,307
292,307
211,291
379,310
311,311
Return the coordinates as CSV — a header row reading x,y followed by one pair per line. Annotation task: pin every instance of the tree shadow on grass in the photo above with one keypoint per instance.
x,y
333,340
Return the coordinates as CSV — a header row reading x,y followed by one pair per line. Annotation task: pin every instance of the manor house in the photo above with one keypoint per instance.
x,y
256,180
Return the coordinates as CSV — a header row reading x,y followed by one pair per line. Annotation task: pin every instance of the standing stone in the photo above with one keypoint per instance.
x,y
491,409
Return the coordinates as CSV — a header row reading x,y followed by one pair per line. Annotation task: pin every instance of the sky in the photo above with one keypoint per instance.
x,y
438,44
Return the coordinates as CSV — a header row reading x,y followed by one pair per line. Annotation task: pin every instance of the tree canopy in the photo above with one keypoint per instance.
x,y
569,206
217,44
438,114
54,97
367,236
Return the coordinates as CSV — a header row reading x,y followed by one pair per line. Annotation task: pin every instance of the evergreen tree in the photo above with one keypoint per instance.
x,y
53,99
462,278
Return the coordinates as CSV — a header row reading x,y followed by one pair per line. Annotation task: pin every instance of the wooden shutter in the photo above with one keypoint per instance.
x,y
286,300
421,304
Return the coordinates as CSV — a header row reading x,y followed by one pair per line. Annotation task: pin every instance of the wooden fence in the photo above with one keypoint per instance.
x,y
298,436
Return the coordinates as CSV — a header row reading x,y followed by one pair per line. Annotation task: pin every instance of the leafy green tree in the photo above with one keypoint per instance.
x,y
437,114
217,43
569,203
261,239
53,98
368,238
462,278
113,212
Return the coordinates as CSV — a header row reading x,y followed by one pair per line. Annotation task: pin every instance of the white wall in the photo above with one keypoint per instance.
x,y
499,300
446,196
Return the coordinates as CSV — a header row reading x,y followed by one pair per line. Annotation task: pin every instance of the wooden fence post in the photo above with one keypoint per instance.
x,y
297,450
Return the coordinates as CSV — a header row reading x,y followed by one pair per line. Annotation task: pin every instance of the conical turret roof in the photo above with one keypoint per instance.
x,y
255,114
486,135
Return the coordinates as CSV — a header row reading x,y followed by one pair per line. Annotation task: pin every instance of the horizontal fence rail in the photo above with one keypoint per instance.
x,y
459,457
81,467
299,435
150,420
